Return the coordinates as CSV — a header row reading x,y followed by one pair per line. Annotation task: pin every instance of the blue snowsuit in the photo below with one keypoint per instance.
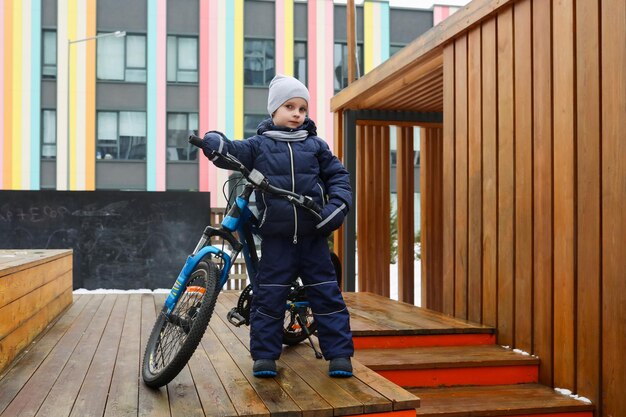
x,y
294,242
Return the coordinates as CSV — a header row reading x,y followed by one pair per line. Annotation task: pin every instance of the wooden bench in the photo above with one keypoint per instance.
x,y
35,286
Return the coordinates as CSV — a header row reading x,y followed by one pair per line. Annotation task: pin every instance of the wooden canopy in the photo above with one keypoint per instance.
x,y
412,79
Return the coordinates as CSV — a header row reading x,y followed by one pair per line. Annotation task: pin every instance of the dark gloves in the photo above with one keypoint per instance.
x,y
332,214
213,141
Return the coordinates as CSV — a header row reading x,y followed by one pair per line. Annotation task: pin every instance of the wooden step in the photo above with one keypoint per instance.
x,y
501,400
451,365
379,322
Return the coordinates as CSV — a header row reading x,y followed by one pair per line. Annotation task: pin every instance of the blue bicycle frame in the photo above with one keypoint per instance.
x,y
235,220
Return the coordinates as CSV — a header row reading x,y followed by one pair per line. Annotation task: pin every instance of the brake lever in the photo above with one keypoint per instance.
x,y
311,205
307,203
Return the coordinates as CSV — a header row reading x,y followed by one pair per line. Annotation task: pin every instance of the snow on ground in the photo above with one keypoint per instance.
x,y
113,291
393,285
574,396
417,279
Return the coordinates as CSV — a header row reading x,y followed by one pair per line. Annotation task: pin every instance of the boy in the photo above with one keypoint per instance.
x,y
288,152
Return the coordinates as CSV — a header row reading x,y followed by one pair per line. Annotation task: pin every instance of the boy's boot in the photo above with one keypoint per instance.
x,y
340,368
264,368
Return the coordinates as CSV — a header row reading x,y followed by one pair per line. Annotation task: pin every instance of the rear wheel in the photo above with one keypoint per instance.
x,y
296,315
296,319
174,338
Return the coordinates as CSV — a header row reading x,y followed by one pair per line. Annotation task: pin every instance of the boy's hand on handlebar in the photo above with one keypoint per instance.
x,y
307,203
311,205
213,144
332,215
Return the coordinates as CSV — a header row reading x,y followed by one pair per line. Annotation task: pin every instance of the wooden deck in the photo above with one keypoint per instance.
x,y
88,363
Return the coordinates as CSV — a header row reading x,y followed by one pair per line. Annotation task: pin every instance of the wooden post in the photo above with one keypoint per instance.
x,y
431,186
338,240
351,38
405,208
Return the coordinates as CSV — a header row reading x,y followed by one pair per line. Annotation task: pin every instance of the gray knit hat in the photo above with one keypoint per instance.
x,y
282,88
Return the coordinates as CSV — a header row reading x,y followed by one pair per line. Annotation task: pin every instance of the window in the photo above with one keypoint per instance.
x,y
49,58
121,135
299,61
179,127
182,59
49,134
341,67
251,122
122,59
258,62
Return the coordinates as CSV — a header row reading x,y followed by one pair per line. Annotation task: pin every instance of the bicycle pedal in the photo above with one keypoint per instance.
x,y
235,318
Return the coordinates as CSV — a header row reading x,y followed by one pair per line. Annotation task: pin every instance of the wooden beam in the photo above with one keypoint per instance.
x,y
405,81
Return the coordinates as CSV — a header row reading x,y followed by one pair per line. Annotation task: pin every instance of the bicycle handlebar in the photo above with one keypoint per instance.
x,y
259,181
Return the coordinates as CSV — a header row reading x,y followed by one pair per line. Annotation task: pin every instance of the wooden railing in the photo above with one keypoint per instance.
x,y
238,278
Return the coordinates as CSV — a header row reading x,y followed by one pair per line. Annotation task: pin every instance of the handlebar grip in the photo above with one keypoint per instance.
x,y
195,140
311,205
315,207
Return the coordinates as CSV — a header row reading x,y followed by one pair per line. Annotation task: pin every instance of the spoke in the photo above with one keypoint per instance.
x,y
172,336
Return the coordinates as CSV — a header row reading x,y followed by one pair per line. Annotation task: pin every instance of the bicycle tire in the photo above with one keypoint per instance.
x,y
173,340
292,332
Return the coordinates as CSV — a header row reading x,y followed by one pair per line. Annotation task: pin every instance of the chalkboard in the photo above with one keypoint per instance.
x,y
121,239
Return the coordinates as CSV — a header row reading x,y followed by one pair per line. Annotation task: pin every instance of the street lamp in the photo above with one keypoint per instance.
x,y
70,42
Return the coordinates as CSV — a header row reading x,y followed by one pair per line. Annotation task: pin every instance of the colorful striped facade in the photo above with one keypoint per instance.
x,y
220,82
376,31
440,13
20,72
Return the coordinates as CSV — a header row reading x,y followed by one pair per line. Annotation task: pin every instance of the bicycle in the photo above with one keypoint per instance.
x,y
189,306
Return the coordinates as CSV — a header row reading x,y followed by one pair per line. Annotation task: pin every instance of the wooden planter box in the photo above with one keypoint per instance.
x,y
35,286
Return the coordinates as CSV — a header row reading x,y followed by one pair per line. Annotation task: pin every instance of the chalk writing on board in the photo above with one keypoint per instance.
x,y
120,239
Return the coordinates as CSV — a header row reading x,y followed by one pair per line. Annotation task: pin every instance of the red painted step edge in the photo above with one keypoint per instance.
x,y
557,414
383,342
488,375
402,413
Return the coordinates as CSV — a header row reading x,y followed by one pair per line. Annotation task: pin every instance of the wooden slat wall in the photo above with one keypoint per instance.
x,y
612,201
489,174
373,207
534,188
564,190
460,180
448,186
588,237
506,180
542,189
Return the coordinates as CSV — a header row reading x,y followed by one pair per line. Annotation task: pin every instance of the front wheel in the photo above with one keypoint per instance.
x,y
174,338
